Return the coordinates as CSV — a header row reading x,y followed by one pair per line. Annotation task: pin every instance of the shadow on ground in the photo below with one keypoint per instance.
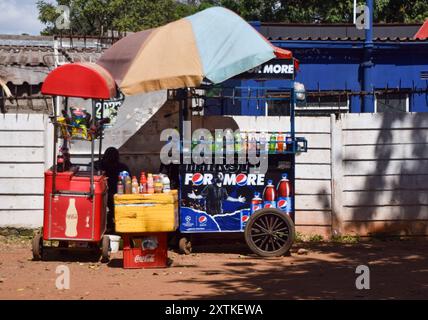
x,y
328,272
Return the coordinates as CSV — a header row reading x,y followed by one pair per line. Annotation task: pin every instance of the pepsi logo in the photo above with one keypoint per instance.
x,y
202,219
241,180
282,204
256,207
245,218
269,205
197,179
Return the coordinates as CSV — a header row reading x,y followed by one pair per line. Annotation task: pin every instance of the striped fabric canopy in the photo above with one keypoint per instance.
x,y
215,44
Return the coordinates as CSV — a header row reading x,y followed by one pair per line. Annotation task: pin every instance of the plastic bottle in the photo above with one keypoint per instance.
x,y
269,195
252,143
143,183
135,186
263,143
120,187
272,143
158,185
150,184
166,183
284,193
281,143
256,203
238,145
218,145
244,142
128,185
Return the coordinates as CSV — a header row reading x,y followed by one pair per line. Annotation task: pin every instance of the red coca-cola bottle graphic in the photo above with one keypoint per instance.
x,y
285,194
269,195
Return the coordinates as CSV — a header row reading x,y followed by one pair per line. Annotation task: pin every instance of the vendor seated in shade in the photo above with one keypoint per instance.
x,y
111,165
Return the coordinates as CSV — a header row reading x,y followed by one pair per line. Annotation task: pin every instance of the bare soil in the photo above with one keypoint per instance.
x,y
398,270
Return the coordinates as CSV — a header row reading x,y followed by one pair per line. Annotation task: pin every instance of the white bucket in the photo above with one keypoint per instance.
x,y
114,243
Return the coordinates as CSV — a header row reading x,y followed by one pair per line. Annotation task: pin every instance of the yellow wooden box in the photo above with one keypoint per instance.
x,y
138,213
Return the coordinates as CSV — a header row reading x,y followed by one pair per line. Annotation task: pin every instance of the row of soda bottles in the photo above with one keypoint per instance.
x,y
273,143
148,184
274,197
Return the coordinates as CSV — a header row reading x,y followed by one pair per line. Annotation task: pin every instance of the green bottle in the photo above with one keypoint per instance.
x,y
272,143
238,146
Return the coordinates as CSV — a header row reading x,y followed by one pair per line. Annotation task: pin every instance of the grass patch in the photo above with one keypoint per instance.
x,y
348,239
315,238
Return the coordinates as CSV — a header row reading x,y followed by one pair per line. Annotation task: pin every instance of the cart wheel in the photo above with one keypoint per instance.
x,y
105,251
37,247
270,233
185,246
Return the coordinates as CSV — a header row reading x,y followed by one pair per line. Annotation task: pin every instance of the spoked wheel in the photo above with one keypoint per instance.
x,y
185,246
270,233
105,250
37,247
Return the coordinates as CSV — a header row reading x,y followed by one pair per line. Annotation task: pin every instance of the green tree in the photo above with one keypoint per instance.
x,y
93,17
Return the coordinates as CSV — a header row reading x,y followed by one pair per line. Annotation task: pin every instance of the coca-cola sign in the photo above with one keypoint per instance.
x,y
148,258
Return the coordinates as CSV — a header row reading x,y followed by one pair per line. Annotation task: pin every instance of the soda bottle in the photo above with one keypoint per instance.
x,y
218,145
158,185
150,184
238,146
256,203
280,143
244,142
284,193
128,185
166,183
252,143
269,195
263,143
272,143
143,183
120,188
135,186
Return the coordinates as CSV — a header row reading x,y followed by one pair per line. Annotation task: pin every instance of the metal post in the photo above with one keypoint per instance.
x,y
293,154
101,132
54,168
92,151
367,65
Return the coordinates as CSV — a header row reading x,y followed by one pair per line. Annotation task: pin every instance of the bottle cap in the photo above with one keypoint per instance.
x,y
257,194
270,182
285,176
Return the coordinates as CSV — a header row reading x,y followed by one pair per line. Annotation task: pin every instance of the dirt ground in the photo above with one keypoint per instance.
x,y
398,270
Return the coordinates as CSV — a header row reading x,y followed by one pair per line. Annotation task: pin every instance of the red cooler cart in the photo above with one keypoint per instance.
x,y
75,201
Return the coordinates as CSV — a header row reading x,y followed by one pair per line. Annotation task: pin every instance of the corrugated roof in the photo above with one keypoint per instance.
x,y
19,75
40,56
338,32
355,39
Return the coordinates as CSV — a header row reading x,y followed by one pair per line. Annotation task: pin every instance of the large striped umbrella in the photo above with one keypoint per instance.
x,y
215,44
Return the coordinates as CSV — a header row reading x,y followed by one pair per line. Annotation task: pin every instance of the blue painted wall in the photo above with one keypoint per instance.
x,y
335,65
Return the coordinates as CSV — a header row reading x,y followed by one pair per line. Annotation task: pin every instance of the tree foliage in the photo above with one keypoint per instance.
x,y
93,17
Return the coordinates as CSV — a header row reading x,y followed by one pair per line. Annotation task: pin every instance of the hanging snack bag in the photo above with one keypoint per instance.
x,y
80,122
65,134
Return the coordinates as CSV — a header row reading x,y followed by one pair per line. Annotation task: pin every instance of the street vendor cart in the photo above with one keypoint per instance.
x,y
195,57
75,200
229,191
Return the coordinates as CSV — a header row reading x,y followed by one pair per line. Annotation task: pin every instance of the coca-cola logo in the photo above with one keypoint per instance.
x,y
144,259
